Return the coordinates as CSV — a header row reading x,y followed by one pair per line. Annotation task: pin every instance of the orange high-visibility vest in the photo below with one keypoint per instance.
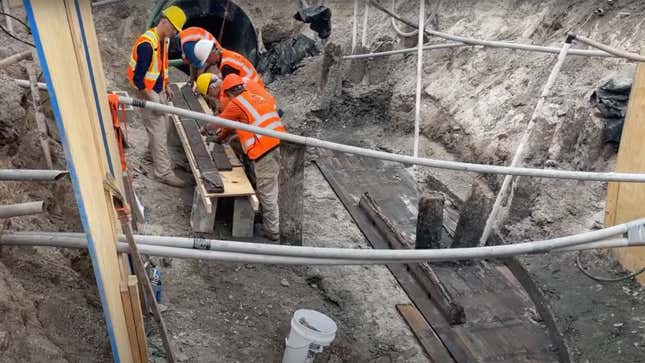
x,y
195,34
241,64
262,113
158,65
250,86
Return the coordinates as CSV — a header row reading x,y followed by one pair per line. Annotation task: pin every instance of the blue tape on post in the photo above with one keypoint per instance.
x,y
73,175
90,71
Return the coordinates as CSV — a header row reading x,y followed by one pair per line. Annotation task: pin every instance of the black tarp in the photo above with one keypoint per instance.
x,y
610,100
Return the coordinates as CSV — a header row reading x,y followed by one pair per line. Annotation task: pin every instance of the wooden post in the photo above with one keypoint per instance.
x,y
430,221
330,85
243,217
473,216
71,63
626,201
40,118
201,220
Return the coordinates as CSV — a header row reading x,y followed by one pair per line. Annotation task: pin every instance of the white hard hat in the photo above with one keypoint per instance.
x,y
203,49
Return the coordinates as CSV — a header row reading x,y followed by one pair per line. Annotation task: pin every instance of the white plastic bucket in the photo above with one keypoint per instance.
x,y
310,332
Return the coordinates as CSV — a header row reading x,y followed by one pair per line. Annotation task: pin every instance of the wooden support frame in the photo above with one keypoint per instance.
x,y
626,201
70,61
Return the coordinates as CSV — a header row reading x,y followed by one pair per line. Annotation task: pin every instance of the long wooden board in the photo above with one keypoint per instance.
x,y
497,328
208,169
72,83
626,201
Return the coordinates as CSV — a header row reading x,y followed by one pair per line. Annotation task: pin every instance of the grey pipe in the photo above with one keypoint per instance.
x,y
494,44
406,50
31,175
233,257
433,163
345,253
21,209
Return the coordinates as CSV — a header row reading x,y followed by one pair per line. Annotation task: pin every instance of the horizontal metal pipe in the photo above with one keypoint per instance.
x,y
433,163
31,175
495,44
25,83
15,58
359,254
234,257
406,50
611,50
21,209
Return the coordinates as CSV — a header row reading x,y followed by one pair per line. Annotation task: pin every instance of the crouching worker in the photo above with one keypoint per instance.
x,y
252,108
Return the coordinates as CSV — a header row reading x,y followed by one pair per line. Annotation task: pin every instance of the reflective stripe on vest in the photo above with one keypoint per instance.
x,y
249,73
261,115
157,65
194,34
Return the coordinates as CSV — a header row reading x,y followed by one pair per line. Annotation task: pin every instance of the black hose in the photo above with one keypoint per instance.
x,y
605,279
13,36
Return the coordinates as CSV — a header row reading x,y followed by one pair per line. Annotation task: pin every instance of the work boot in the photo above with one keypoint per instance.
x,y
275,237
172,180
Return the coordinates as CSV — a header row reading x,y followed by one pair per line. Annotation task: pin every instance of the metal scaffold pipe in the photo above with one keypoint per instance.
x,y
432,163
21,209
31,175
382,256
499,44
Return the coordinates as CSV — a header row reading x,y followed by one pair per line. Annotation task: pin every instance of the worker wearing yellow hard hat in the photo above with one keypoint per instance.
x,y
148,74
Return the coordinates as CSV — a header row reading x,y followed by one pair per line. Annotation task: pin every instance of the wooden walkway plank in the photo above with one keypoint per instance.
x,y
424,333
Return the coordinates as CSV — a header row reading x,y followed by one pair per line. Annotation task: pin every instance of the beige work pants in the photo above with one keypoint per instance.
x,y
156,125
266,182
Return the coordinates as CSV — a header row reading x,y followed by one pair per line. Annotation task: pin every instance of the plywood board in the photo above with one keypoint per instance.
x,y
626,201
236,184
67,77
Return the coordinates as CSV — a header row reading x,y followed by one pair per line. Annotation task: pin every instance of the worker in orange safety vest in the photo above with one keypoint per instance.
x,y
254,108
209,85
148,74
227,61
188,38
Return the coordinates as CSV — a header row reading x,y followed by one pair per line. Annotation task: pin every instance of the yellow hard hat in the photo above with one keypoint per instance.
x,y
204,81
176,16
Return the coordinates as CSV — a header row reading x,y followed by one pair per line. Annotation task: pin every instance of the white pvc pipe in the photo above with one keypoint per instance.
x,y
25,83
417,105
521,148
385,256
433,163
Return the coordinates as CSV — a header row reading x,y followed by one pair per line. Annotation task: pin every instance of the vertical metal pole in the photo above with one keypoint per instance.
x,y
6,9
365,18
521,149
354,26
417,111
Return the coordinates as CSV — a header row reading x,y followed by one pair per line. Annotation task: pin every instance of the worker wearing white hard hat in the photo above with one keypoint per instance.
x,y
226,61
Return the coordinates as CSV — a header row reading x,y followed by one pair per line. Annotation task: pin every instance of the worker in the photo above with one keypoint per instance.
x,y
148,74
209,85
254,109
227,61
188,38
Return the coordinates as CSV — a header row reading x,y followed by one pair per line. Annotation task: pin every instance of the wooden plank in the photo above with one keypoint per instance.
x,y
130,321
221,159
423,332
243,217
202,220
133,288
232,158
200,188
67,73
208,169
236,184
443,345
626,201
451,310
